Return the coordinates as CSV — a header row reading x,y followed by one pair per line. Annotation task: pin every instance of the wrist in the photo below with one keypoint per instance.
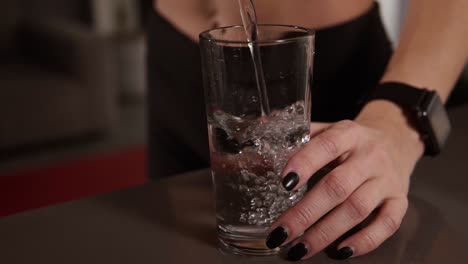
x,y
390,118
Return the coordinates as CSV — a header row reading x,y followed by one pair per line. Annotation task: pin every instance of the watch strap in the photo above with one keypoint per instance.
x,y
401,94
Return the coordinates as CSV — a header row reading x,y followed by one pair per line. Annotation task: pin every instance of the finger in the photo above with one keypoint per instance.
x,y
317,128
331,191
386,223
342,219
321,150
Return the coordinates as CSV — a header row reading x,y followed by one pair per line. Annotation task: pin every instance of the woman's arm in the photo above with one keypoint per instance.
x,y
433,47
377,151
432,52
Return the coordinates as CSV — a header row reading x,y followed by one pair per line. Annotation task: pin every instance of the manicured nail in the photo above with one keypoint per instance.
x,y
344,253
297,252
276,237
290,181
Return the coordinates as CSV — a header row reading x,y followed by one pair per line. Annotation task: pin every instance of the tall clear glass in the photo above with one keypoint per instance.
x,y
249,147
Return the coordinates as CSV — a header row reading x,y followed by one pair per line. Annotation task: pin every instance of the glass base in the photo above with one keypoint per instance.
x,y
245,241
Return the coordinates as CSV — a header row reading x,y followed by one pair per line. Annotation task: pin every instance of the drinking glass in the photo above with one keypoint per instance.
x,y
253,131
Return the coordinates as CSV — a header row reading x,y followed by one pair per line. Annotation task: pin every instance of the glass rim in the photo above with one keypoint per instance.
x,y
308,33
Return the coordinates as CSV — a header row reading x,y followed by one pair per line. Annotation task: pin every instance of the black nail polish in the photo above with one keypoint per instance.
x,y
344,253
290,181
297,252
276,237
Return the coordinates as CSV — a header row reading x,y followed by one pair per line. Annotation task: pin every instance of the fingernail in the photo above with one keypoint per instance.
x,y
276,237
344,253
297,252
290,181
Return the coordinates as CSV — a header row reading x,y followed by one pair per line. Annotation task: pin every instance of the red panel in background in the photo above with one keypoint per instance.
x,y
70,180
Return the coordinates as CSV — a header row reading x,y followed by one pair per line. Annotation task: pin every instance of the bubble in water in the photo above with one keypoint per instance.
x,y
270,196
296,138
268,203
272,188
225,143
259,181
243,218
256,202
252,218
271,175
255,189
300,109
243,189
245,175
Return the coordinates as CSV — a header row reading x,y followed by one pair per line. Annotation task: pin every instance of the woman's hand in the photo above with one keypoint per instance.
x,y
376,154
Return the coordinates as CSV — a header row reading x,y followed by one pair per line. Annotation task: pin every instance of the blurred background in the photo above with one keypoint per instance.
x,y
72,90
72,97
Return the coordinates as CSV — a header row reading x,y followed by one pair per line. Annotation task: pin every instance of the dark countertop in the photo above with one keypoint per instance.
x,y
172,221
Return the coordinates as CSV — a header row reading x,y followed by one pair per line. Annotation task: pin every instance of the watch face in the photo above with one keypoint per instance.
x,y
437,122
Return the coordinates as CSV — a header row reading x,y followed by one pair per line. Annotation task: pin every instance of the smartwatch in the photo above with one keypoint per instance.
x,y
424,110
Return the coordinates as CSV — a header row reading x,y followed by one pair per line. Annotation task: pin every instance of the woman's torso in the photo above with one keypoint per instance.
x,y
352,50
193,16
